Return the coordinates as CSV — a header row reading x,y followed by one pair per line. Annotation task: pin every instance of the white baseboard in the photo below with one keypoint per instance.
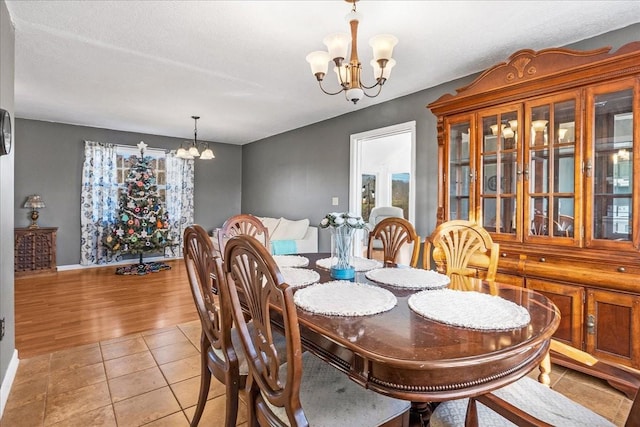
x,y
123,262
7,382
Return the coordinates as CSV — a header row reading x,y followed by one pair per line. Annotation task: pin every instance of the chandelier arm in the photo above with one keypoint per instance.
x,y
377,93
378,83
330,93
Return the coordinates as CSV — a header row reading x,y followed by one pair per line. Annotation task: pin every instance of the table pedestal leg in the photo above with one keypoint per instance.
x,y
420,413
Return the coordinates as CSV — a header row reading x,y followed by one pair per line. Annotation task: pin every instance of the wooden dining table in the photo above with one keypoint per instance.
x,y
402,354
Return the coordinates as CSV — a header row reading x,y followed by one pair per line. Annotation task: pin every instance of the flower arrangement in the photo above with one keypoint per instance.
x,y
343,219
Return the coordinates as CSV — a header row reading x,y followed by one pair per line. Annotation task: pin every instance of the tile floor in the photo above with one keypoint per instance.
x,y
152,379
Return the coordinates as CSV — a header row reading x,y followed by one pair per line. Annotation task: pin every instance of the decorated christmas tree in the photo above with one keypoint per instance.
x,y
142,223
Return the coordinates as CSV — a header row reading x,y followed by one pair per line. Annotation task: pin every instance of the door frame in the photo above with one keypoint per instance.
x,y
355,170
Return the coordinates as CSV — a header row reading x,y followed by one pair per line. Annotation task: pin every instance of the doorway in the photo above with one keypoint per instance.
x,y
382,172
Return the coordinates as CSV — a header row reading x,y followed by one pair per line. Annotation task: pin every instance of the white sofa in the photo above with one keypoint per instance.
x,y
291,236
286,236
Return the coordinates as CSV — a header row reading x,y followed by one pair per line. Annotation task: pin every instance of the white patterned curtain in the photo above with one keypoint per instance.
x,y
98,200
179,200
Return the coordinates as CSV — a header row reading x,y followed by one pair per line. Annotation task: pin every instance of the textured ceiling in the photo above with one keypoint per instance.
x,y
148,66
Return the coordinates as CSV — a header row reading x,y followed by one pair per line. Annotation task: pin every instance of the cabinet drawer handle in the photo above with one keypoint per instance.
x,y
503,254
543,259
621,269
591,324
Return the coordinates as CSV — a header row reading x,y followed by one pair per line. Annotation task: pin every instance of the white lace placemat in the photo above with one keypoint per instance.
x,y
410,278
291,260
360,264
469,309
343,298
297,277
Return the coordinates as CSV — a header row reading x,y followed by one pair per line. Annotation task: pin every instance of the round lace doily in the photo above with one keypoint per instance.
x,y
343,298
469,309
410,278
291,260
360,264
297,277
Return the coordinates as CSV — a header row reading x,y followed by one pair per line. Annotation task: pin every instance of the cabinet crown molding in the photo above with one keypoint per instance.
x,y
526,66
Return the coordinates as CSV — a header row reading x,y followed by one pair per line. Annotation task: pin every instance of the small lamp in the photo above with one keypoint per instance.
x,y
34,202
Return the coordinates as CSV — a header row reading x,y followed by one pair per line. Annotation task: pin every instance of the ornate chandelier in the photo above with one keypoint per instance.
x,y
349,74
191,150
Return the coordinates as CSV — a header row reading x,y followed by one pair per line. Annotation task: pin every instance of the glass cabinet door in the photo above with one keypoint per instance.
x,y
499,171
459,173
551,177
611,165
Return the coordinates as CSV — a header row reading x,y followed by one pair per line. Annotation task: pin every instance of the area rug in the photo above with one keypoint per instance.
x,y
142,269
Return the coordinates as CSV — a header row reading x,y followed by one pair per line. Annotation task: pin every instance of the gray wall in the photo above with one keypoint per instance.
x,y
49,162
7,48
296,173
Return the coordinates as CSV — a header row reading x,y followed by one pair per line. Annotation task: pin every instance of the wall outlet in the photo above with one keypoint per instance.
x,y
1,328
334,201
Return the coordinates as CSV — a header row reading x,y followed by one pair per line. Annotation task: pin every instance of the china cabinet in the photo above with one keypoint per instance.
x,y
543,150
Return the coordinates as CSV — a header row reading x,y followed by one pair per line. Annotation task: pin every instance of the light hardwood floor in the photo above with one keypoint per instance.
x,y
70,308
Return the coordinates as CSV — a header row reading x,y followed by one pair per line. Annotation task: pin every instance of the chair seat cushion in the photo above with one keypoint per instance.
x,y
531,397
329,398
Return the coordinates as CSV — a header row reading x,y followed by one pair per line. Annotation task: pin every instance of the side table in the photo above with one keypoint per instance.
x,y
35,250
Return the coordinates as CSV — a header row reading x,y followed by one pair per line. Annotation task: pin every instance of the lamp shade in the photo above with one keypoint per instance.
x,y
387,69
383,45
34,202
193,151
207,154
338,44
319,62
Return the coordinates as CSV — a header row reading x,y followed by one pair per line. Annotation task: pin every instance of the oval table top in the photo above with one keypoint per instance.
x,y
403,354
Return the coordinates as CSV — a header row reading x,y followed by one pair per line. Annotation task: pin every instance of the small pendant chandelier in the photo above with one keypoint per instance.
x,y
191,151
349,74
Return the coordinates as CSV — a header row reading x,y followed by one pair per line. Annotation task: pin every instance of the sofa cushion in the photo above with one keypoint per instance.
x,y
290,230
271,224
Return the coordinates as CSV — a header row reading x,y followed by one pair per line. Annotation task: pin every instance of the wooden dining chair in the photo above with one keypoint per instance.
x,y
217,354
306,390
394,233
242,224
463,248
529,403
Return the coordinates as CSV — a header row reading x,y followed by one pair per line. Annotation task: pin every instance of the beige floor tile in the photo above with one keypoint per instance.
x,y
192,331
173,352
74,403
172,336
123,348
158,330
128,364
118,339
179,419
182,369
28,392
146,407
76,357
136,383
214,412
32,367
28,415
187,391
101,417
64,380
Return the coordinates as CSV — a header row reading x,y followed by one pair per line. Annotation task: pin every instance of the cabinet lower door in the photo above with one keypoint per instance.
x,y
613,327
569,300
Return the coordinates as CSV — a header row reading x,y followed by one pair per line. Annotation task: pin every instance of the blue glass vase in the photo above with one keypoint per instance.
x,y
341,268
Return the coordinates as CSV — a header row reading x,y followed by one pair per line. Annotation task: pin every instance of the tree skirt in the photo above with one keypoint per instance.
x,y
142,269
